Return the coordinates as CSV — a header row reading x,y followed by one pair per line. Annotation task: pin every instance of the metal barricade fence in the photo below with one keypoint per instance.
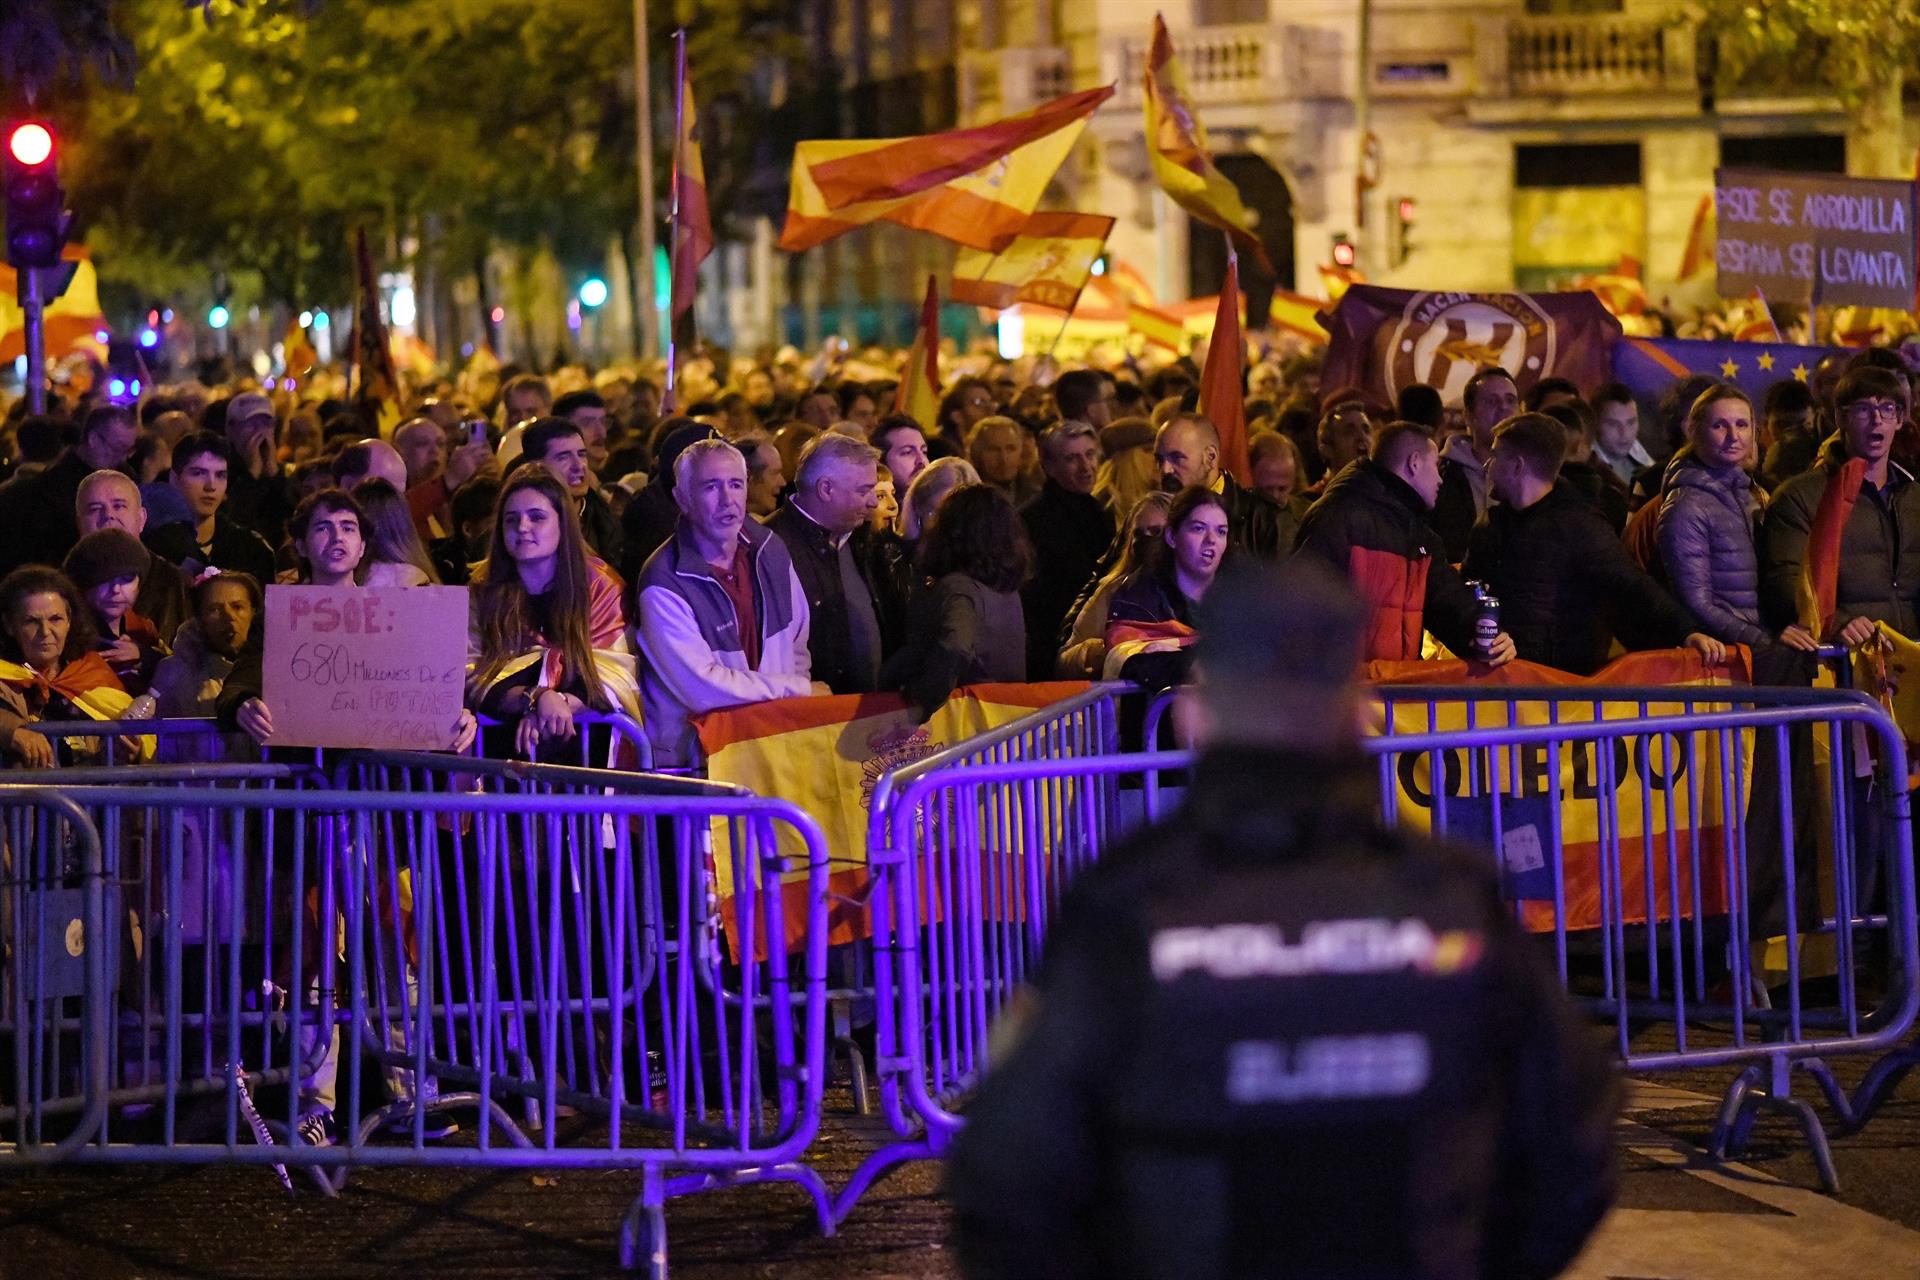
x,y
1083,726
510,945
1699,868
606,740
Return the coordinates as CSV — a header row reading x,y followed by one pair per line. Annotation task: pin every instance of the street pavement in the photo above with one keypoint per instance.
x,y
1679,1216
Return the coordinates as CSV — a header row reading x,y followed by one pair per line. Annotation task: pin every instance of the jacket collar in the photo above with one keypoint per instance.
x,y
688,565
1282,799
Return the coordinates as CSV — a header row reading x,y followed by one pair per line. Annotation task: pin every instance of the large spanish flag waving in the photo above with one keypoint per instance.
x,y
976,187
827,754
1177,150
72,319
918,395
1047,264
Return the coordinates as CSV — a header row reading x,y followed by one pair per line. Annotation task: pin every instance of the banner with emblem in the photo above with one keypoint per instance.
x,y
1655,796
1382,340
826,755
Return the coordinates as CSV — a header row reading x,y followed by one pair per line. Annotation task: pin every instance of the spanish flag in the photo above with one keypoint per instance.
x,y
692,227
1047,264
1759,325
376,388
1222,397
827,755
1819,585
1598,842
1700,237
1160,328
72,318
297,356
1299,315
976,187
918,395
1177,150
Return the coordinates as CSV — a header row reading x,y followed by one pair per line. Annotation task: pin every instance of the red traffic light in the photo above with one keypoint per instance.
x,y
1406,209
1343,252
31,144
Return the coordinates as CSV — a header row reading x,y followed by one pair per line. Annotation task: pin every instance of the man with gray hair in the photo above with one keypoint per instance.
x,y
833,499
722,620
1070,530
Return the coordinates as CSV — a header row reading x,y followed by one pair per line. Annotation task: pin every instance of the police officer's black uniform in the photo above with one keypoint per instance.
x,y
1272,1039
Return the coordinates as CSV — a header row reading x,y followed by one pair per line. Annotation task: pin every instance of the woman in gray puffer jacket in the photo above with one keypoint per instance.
x,y
1707,511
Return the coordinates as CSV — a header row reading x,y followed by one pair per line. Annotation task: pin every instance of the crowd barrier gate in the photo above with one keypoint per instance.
x,y
490,930
1083,726
977,859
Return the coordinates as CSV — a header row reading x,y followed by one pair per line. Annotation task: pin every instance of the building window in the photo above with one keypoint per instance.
x,y
1229,13
1790,153
1578,210
1565,8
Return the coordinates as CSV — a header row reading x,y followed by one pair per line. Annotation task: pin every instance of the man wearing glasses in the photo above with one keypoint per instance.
x,y
1879,561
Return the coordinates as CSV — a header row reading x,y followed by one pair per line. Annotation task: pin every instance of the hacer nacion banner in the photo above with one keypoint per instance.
x,y
1655,795
826,755
1381,340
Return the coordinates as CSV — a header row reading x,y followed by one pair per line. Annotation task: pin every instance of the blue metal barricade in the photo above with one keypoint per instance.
x,y
1713,834
509,945
60,948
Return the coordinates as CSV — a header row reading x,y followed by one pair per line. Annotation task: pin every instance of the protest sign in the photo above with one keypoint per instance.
x,y
1815,238
375,667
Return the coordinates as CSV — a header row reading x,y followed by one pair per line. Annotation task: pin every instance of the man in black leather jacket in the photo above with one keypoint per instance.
x,y
1272,1038
1188,453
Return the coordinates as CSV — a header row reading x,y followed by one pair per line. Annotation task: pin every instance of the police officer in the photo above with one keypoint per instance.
x,y
1271,1037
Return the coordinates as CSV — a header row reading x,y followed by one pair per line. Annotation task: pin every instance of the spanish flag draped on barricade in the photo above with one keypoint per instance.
x,y
827,755
1638,772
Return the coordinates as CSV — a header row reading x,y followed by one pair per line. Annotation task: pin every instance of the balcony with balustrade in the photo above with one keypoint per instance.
x,y
1583,67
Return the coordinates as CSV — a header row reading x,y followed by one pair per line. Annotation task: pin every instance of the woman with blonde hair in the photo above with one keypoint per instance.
x,y
1128,472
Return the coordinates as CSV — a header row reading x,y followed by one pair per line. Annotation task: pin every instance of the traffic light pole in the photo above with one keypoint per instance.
x,y
35,327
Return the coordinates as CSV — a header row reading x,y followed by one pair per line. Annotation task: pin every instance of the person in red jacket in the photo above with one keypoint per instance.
x,y
1372,526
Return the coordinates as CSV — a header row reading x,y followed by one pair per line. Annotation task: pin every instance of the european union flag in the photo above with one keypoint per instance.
x,y
1650,365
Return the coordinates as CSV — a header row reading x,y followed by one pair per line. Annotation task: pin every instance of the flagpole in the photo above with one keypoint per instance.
x,y
1064,322
673,208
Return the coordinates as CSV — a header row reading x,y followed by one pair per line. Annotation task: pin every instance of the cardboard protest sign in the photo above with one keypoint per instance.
x,y
374,667
1815,238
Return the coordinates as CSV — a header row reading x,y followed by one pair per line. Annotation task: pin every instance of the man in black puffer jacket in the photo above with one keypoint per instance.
x,y
1270,1037
1565,582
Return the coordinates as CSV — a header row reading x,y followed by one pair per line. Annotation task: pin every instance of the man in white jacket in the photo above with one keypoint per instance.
x,y
722,619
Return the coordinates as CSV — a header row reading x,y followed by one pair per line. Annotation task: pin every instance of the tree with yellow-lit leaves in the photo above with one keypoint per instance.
x,y
1859,50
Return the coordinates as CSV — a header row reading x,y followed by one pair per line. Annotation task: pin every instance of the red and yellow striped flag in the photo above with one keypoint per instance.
x,y
376,384
1697,250
1160,328
1759,325
692,226
1177,151
974,186
1298,314
1221,385
825,755
1047,264
918,395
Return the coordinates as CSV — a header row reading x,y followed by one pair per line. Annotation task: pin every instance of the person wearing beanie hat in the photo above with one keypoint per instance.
x,y
108,567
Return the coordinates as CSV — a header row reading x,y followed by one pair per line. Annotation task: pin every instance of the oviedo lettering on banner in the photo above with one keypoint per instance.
x,y
371,667
1815,238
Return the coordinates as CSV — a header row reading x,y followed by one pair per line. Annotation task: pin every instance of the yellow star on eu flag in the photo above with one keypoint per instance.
x,y
1728,369
1766,362
1800,373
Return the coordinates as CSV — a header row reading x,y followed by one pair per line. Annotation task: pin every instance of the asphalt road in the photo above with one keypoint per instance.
x,y
1679,1217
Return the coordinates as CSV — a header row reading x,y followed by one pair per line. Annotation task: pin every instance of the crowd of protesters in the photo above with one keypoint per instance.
x,y
788,534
